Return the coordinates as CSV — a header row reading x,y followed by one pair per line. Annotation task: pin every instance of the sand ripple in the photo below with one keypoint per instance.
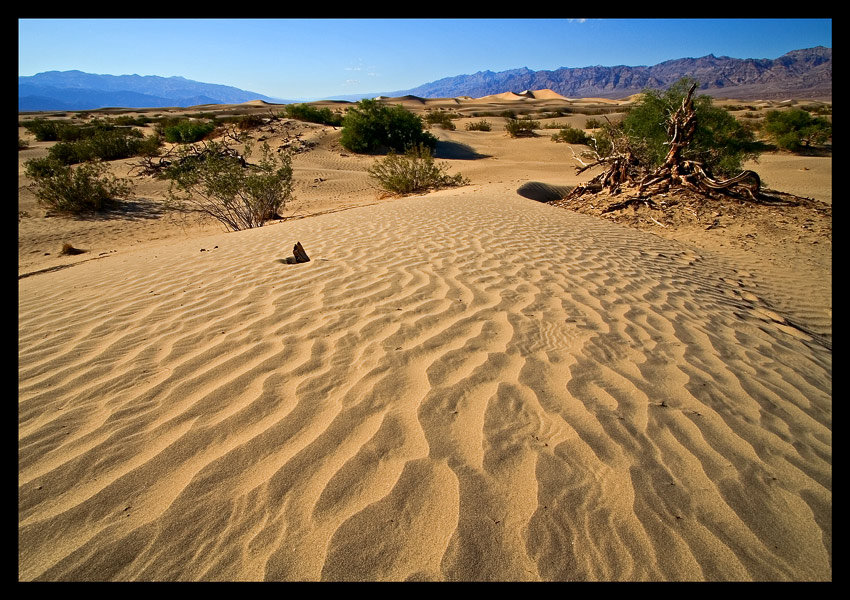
x,y
455,388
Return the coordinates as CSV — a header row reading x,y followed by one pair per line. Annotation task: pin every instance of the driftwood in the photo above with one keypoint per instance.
x,y
298,255
180,154
622,170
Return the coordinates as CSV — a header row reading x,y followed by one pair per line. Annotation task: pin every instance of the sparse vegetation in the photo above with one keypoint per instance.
x,y
101,139
105,145
311,114
571,135
184,131
694,141
244,122
521,127
720,142
371,126
443,118
795,129
88,187
482,125
413,171
215,181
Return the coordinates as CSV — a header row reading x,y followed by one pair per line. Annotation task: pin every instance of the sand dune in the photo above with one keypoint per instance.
x,y
505,96
546,95
469,385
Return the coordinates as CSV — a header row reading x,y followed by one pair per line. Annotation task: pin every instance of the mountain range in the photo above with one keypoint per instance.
x,y
801,74
76,90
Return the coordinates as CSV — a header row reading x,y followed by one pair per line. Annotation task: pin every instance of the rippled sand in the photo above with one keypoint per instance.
x,y
461,386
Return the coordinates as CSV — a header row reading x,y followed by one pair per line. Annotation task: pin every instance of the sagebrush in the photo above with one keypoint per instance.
x,y
220,183
413,171
85,188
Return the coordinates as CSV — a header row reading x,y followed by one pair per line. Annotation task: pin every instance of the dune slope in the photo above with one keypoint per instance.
x,y
459,386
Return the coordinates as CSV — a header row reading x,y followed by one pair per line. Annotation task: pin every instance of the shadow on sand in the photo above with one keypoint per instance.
x,y
543,192
456,151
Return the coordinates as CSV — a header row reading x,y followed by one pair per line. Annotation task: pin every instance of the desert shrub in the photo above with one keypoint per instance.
x,y
571,135
413,171
521,127
311,114
23,144
217,182
75,190
102,144
720,142
443,118
127,120
41,167
242,122
46,130
370,126
593,124
795,129
184,131
246,122
482,125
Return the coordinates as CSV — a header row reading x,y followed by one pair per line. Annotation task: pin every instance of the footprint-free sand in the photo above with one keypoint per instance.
x,y
464,385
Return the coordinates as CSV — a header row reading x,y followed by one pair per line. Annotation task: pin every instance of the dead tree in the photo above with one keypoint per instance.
x,y
185,154
623,170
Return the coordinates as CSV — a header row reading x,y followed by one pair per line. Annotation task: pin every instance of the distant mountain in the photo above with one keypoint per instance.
x,y
75,90
800,73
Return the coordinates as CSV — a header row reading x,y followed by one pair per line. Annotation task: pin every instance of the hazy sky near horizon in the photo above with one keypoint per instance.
x,y
309,59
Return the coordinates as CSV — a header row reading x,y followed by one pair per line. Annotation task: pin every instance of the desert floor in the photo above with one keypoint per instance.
x,y
464,385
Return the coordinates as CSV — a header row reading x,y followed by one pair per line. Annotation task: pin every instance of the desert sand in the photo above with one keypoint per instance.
x,y
464,385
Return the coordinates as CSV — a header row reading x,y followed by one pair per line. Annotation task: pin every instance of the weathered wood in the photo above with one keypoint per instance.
x,y
299,253
623,171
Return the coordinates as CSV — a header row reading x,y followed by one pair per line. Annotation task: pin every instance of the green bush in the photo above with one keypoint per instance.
x,y
76,190
217,182
127,120
413,171
521,127
571,135
42,129
371,126
106,144
482,125
795,129
246,122
184,131
46,130
720,142
311,114
443,118
593,124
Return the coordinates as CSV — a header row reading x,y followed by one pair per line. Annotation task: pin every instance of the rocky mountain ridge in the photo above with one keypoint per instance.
x,y
76,90
801,73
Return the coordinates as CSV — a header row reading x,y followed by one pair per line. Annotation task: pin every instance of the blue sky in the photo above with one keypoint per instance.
x,y
307,59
